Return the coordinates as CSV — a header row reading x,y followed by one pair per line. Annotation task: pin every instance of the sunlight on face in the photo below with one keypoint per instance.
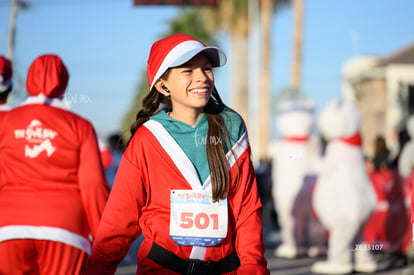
x,y
191,85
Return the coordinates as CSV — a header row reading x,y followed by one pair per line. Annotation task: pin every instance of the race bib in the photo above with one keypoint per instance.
x,y
195,220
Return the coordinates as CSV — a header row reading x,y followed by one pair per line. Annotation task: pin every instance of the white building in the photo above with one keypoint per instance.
x,y
384,91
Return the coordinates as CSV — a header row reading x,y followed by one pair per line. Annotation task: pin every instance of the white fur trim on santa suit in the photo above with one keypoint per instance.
x,y
183,162
187,169
5,107
42,99
176,153
45,233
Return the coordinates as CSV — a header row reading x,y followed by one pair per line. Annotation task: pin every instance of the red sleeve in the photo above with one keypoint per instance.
x,y
119,224
249,228
2,119
92,182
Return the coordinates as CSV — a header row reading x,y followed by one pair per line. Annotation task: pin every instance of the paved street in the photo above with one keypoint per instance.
x,y
302,266
288,267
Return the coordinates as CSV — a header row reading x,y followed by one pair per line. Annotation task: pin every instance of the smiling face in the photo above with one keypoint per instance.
x,y
189,86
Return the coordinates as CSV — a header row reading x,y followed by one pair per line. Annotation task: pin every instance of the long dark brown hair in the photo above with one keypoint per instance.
x,y
216,157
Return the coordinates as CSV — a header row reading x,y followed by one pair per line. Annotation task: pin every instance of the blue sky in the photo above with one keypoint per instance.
x,y
105,45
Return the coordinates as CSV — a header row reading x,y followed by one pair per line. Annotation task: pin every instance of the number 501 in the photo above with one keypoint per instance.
x,y
201,220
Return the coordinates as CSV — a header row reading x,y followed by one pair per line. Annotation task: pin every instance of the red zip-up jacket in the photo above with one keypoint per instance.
x,y
52,184
152,165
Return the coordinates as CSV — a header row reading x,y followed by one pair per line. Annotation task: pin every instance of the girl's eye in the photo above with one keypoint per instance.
x,y
208,69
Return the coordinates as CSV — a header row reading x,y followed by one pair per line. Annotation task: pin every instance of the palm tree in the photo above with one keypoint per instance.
x,y
267,9
232,16
297,43
234,19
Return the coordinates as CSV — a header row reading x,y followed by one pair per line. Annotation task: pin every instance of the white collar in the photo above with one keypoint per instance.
x,y
5,107
42,99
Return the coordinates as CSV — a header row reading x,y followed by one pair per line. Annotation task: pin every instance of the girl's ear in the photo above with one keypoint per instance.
x,y
161,88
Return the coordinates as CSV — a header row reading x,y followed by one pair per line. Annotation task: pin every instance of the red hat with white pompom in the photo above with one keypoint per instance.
x,y
6,73
176,50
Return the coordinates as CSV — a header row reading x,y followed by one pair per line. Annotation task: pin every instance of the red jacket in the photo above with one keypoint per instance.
x,y
140,204
52,184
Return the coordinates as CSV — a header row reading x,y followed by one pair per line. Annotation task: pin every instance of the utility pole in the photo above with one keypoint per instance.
x,y
264,119
253,74
297,43
12,29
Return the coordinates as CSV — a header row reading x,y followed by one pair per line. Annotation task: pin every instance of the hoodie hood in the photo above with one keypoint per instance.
x,y
47,75
176,127
192,140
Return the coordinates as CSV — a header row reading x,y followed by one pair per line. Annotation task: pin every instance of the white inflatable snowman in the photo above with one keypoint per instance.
x,y
294,155
343,197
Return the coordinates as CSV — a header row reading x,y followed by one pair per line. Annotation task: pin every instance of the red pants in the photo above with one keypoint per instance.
x,y
390,224
38,257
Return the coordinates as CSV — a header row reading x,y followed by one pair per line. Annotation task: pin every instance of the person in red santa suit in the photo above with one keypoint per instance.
x,y
52,186
185,181
6,84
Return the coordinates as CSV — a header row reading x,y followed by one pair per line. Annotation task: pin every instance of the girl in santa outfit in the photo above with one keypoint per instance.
x,y
52,184
6,84
185,181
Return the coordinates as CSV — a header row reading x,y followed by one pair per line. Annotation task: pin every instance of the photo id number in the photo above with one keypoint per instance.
x,y
373,247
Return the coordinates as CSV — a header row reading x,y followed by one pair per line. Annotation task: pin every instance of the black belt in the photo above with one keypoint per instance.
x,y
171,261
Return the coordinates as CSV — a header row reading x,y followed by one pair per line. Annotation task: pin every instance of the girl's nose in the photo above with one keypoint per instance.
x,y
200,75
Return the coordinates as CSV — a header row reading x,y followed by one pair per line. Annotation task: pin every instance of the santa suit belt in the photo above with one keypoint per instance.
x,y
171,261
